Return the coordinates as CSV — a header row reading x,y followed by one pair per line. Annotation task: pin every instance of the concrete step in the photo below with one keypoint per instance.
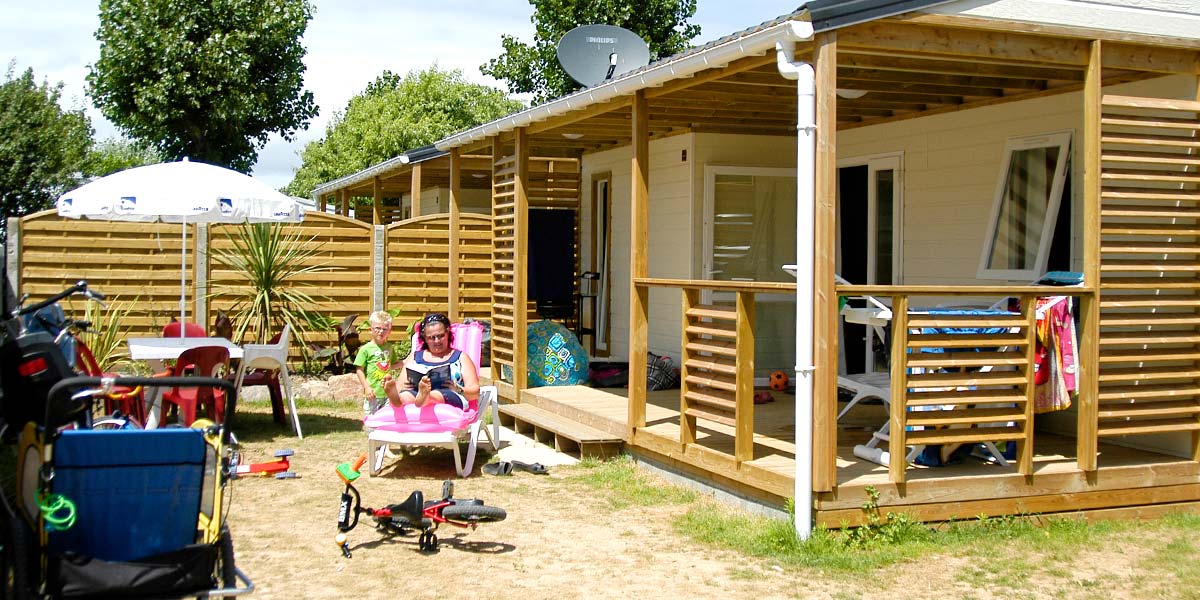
x,y
563,434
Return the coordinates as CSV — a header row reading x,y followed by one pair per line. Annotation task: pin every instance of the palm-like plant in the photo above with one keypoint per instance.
x,y
272,262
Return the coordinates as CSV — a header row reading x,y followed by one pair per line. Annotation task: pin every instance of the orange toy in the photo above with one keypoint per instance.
x,y
778,381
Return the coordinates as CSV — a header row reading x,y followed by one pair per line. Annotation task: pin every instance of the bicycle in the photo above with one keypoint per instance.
x,y
413,514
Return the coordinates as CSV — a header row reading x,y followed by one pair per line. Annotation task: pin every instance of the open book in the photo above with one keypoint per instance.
x,y
439,376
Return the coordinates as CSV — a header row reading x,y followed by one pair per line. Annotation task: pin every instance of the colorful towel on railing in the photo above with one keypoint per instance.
x,y
963,330
1056,368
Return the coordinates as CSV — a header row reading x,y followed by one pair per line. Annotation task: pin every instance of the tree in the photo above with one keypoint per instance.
x,y
118,154
535,69
393,115
206,80
43,148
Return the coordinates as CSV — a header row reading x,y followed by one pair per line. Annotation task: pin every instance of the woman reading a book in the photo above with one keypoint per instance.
x,y
439,373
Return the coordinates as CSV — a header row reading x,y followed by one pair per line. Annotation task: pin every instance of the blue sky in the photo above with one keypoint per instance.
x,y
349,42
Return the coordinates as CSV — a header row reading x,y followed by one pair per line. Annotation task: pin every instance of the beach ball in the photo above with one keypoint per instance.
x,y
778,381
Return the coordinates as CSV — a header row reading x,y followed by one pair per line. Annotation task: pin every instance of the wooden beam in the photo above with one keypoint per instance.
x,y
1106,35
570,119
321,203
1002,46
344,202
825,305
416,190
897,460
521,256
907,63
377,200
737,66
455,237
1087,441
639,266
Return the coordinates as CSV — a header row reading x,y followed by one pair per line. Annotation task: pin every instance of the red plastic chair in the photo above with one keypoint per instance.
x,y
189,330
209,361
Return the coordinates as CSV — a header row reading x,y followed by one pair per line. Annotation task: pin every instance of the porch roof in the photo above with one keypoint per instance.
x,y
908,60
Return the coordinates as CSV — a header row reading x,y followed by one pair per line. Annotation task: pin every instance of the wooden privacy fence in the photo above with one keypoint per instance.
x,y
418,266
137,265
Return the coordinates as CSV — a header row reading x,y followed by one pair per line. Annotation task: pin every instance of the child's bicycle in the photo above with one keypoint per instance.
x,y
413,514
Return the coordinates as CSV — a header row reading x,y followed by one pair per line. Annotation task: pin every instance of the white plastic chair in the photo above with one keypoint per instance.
x,y
271,357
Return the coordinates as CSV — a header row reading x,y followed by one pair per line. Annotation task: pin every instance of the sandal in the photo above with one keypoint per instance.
x,y
535,468
498,468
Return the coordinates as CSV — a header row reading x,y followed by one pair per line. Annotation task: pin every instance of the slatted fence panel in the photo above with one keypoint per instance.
x,y
1150,259
134,264
504,247
343,248
419,261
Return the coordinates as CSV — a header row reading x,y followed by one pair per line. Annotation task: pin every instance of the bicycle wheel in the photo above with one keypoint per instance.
x,y
228,567
116,422
474,513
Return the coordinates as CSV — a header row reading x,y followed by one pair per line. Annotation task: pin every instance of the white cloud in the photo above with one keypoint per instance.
x,y
349,43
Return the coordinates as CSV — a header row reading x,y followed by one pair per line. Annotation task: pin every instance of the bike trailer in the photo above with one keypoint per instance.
x,y
126,513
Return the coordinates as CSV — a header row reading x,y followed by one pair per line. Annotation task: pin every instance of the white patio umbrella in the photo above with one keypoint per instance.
x,y
180,192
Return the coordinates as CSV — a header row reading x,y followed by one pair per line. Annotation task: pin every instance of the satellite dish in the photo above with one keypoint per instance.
x,y
593,54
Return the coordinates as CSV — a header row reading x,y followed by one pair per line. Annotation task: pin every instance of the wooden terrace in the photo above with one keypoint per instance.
x,y
1130,483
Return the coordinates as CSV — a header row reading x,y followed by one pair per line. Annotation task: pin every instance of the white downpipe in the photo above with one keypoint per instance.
x,y
806,144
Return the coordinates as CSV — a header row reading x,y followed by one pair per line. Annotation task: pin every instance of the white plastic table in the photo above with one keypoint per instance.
x,y
156,350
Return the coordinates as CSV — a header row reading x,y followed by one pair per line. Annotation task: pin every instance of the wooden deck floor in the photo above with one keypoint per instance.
x,y
1129,481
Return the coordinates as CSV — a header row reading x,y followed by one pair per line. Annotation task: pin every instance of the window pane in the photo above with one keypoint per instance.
x,y
884,194
1023,208
754,227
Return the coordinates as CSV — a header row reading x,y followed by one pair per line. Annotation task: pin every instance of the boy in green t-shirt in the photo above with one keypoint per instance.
x,y
374,361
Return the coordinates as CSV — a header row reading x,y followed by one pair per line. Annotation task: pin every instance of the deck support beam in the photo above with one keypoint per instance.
x,y
639,235
825,305
455,238
1089,304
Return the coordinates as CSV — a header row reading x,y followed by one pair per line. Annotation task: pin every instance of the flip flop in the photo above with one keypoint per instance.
x,y
535,468
498,468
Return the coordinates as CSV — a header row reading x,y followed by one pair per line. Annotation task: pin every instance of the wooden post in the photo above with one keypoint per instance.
x,y
687,424
344,202
455,238
639,235
1086,440
1195,432
743,439
1029,308
899,383
825,304
321,203
416,190
520,269
377,201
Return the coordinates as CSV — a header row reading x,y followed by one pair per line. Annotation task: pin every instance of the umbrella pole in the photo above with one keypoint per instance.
x,y
182,282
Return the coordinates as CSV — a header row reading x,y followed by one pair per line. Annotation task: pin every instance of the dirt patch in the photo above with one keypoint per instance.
x,y
563,539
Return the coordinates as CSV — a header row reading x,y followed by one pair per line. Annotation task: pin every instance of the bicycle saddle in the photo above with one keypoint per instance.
x,y
413,508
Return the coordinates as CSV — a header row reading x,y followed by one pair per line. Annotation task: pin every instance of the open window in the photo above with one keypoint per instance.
x,y
1026,207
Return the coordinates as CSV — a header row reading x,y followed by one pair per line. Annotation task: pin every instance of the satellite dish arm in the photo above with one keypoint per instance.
x,y
612,65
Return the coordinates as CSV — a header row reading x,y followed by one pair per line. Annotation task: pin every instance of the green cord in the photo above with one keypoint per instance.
x,y
51,505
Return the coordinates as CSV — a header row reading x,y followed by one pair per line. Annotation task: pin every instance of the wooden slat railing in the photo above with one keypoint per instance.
x,y
717,366
961,387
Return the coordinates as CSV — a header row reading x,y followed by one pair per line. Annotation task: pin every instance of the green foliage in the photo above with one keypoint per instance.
x,y
884,529
535,69
206,80
43,149
393,115
271,262
108,342
118,154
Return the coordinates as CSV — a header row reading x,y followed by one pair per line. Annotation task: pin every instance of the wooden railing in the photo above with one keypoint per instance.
x,y
717,350
948,396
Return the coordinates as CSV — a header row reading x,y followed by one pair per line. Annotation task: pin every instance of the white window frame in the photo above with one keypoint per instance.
x,y
1061,139
710,193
